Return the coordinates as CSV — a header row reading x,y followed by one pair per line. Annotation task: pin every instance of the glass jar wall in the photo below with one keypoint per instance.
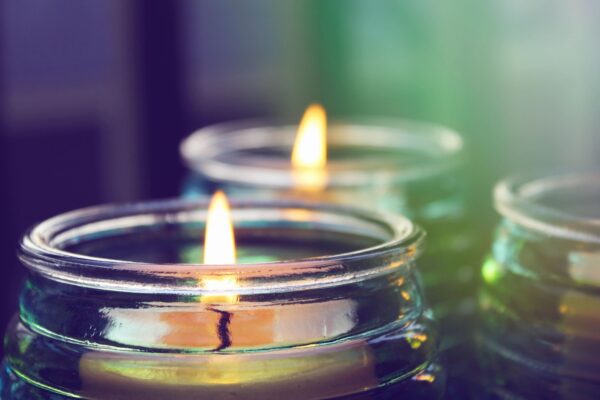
x,y
324,304
540,303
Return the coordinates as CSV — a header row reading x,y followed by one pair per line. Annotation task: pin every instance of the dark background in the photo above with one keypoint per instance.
x,y
95,95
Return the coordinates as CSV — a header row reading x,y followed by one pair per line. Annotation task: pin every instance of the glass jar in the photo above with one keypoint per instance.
x,y
398,166
540,303
323,304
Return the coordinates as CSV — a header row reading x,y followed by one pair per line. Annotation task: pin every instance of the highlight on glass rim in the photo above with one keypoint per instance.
x,y
310,200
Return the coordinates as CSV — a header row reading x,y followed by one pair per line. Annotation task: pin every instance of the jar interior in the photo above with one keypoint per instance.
x,y
261,236
184,245
373,148
568,196
560,206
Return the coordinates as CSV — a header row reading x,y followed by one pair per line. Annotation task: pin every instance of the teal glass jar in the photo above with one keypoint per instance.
x,y
540,302
323,304
391,165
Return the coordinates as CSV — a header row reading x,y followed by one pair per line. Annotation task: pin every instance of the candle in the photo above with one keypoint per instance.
x,y
400,166
115,308
540,303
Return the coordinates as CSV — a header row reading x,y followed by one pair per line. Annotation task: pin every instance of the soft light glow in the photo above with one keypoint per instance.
x,y
219,241
309,156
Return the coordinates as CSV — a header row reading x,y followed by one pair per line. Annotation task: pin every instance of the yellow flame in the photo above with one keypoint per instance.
x,y
219,247
219,241
309,156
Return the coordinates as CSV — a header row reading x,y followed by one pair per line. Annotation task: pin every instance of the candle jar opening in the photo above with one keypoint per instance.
x,y
409,164
540,301
323,304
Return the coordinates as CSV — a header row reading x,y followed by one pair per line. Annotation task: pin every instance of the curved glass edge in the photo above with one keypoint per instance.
x,y
202,149
518,200
41,251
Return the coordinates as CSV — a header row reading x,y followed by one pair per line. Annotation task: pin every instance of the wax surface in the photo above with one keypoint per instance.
x,y
309,374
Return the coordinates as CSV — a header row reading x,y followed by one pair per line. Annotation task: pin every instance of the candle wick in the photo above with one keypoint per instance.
x,y
223,329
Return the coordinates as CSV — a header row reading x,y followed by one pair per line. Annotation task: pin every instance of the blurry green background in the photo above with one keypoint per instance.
x,y
95,95
519,79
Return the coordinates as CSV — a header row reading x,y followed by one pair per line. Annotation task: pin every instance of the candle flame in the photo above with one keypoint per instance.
x,y
219,248
219,240
309,156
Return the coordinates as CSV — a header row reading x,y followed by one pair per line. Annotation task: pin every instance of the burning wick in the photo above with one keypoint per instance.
x,y
309,155
219,248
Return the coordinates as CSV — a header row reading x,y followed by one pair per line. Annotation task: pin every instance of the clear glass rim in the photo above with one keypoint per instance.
x,y
517,199
41,252
201,150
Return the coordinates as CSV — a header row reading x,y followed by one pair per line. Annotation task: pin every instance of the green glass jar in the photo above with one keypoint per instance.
x,y
540,302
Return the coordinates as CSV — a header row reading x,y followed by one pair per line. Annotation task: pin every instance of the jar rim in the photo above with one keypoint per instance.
x,y
40,251
523,200
202,151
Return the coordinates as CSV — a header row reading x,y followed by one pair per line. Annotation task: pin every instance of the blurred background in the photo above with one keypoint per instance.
x,y
95,95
